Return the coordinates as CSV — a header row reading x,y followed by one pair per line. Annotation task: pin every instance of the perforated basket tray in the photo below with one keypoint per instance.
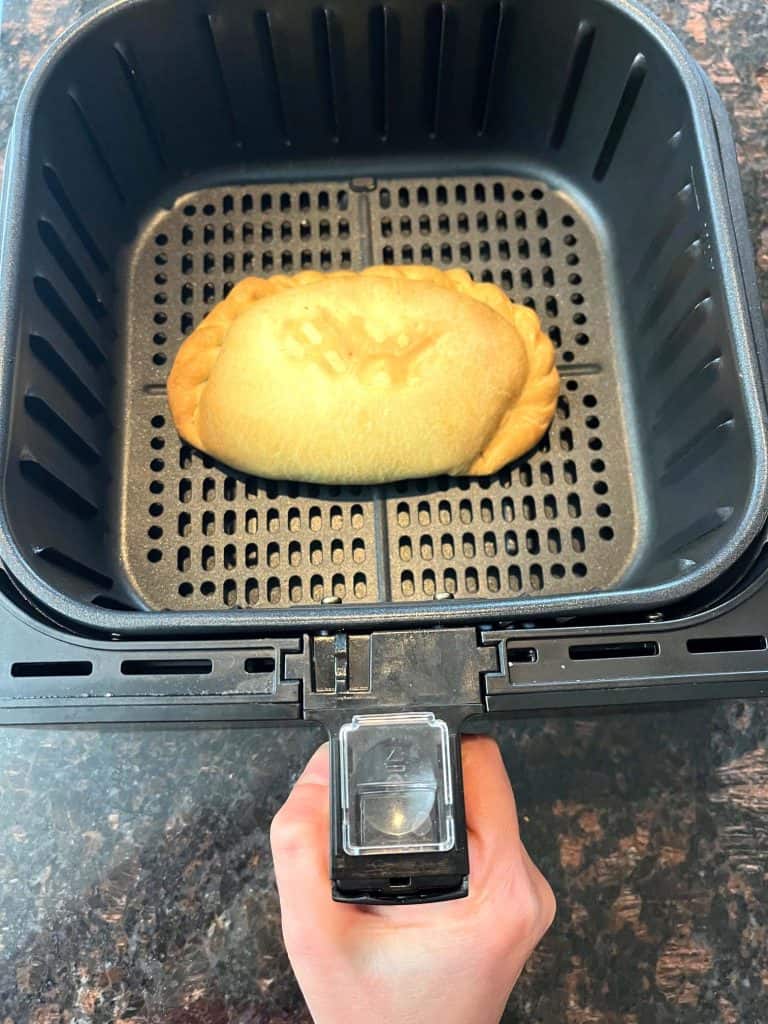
x,y
565,151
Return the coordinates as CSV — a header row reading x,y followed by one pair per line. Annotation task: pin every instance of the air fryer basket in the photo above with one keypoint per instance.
x,y
162,151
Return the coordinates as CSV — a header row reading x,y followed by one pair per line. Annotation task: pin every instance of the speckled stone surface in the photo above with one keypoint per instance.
x,y
135,875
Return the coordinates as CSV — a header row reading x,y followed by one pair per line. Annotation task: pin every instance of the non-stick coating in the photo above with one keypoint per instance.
x,y
564,519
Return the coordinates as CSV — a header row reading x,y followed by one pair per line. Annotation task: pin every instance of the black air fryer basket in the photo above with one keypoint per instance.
x,y
572,153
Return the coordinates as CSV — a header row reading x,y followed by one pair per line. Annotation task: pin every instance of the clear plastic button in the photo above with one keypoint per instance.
x,y
396,792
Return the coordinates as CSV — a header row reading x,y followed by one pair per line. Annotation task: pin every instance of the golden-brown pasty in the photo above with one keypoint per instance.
x,y
362,378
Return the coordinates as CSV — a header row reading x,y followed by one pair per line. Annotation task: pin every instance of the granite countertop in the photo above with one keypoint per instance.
x,y
135,874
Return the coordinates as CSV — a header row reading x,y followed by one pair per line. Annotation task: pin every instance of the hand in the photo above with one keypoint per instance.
x,y
447,963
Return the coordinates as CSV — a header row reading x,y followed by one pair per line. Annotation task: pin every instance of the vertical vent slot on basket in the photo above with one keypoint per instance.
x,y
727,645
55,187
326,36
138,92
494,49
219,77
666,164
696,450
687,329
67,320
683,265
59,368
682,204
435,36
380,42
84,572
677,401
582,48
701,527
271,81
97,149
58,428
77,278
629,96
65,496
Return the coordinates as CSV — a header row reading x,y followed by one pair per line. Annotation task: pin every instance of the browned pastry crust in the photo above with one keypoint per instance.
x,y
387,374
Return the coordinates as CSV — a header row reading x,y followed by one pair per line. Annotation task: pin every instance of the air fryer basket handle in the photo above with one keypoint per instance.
x,y
398,833
394,704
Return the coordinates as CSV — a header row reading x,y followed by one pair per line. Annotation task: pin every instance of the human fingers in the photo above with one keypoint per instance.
x,y
300,849
499,863
489,804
